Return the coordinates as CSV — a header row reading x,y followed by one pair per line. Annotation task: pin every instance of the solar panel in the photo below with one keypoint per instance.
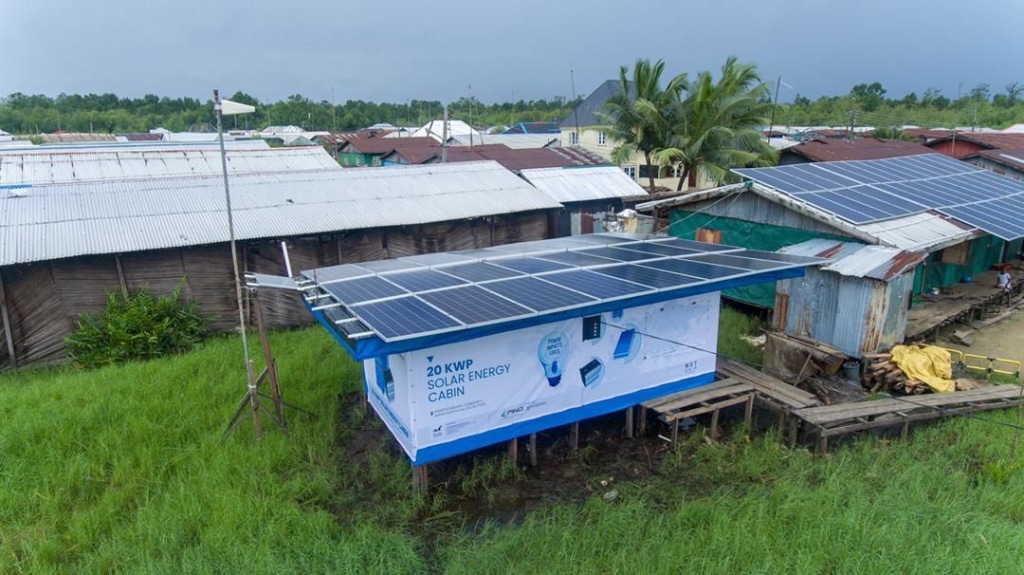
x,y
335,273
656,250
652,277
595,284
479,272
700,270
577,258
388,265
474,304
362,289
876,190
413,300
539,295
529,265
623,254
748,264
402,317
702,247
422,280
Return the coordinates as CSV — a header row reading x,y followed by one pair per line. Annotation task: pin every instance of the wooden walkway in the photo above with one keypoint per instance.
x,y
831,420
742,384
739,384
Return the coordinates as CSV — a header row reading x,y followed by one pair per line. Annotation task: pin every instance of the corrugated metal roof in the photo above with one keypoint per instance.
x,y
863,149
516,141
926,231
67,220
581,184
53,166
858,260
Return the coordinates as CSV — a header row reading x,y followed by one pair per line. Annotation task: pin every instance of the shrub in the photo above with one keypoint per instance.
x,y
137,325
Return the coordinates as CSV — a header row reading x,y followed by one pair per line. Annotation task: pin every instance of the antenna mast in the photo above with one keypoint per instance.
x,y
575,108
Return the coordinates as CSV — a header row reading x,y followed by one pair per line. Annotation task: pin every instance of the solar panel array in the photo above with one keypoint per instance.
x,y
867,191
436,293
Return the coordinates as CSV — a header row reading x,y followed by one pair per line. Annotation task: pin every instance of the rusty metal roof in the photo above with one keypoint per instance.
x,y
990,140
858,260
367,144
864,149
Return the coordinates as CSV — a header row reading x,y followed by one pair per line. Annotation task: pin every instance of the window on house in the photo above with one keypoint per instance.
x,y
573,139
602,138
708,236
376,160
630,171
655,172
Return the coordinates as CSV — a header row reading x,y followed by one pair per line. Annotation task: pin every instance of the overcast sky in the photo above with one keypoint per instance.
x,y
443,50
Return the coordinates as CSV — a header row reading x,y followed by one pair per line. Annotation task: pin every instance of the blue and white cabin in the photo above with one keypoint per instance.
x,y
471,348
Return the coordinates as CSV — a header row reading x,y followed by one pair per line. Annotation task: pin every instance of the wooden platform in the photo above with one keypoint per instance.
x,y
961,302
831,420
773,393
738,384
674,408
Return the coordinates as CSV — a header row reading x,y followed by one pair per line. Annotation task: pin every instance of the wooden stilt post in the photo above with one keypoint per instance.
x,y
533,450
822,443
714,424
675,430
642,426
513,451
748,414
574,436
629,422
782,423
268,358
906,429
8,335
420,479
794,425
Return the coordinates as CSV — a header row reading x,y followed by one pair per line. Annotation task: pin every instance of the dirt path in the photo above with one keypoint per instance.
x,y
1004,339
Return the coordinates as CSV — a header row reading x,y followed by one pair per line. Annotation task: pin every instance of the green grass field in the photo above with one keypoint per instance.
x,y
122,470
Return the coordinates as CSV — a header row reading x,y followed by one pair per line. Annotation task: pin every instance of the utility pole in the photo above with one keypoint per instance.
x,y
775,103
512,111
444,136
470,90
334,113
575,108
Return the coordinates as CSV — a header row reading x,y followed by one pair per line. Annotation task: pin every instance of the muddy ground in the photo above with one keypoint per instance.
x,y
1004,339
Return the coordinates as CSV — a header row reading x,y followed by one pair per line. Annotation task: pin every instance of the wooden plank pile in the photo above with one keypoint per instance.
x,y
881,374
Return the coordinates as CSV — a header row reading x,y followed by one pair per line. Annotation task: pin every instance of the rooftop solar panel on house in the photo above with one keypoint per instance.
x,y
412,299
876,190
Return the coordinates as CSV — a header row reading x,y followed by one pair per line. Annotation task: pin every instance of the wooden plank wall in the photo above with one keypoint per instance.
x,y
44,300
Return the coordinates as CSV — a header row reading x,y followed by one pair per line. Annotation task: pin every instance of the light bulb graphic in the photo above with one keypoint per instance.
x,y
553,352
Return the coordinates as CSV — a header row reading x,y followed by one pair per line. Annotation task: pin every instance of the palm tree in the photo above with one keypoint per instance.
x,y
636,112
718,125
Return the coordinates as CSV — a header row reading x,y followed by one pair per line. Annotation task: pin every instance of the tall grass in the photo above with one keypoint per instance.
x,y
920,506
122,470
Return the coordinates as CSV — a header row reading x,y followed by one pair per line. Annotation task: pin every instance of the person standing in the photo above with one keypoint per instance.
x,y
1005,282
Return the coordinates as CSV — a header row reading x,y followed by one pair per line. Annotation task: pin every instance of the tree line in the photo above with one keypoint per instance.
x,y
108,113
868,105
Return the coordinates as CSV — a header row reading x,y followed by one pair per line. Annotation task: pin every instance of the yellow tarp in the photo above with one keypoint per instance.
x,y
928,364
